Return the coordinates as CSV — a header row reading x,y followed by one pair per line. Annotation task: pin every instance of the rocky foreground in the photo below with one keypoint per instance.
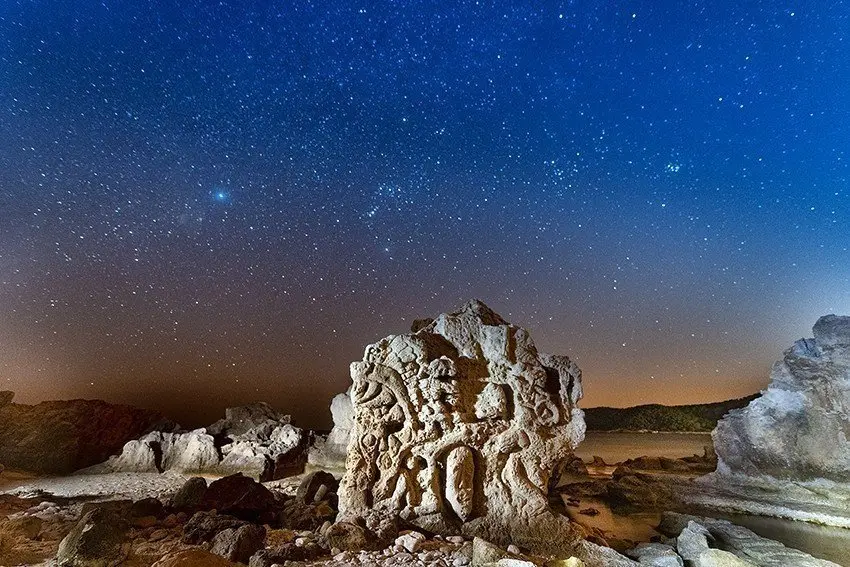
x,y
459,441
235,520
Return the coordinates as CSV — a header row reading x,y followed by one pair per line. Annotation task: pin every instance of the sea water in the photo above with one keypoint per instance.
x,y
819,541
614,447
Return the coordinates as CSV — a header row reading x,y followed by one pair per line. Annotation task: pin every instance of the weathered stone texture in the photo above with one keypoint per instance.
x,y
459,426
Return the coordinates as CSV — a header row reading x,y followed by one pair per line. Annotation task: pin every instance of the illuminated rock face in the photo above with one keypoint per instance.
x,y
331,452
798,429
458,427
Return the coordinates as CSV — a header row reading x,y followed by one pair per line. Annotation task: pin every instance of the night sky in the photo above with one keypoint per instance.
x,y
204,204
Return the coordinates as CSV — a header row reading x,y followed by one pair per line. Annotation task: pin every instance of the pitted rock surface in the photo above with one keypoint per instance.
x,y
459,426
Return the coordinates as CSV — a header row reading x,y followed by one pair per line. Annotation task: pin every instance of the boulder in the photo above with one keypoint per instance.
x,y
484,552
95,541
147,507
190,494
692,541
239,544
598,555
462,423
60,437
349,536
720,558
313,482
695,535
205,525
240,420
411,541
656,555
242,497
189,452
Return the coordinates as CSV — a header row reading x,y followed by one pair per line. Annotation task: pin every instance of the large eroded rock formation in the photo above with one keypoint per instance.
x,y
459,426
798,428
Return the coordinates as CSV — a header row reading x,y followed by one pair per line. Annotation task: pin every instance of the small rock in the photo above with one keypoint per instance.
x,y
484,552
192,558
455,539
720,558
159,535
692,541
513,549
589,512
411,541
321,493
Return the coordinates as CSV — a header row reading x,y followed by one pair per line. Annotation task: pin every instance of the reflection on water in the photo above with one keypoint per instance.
x,y
819,541
614,447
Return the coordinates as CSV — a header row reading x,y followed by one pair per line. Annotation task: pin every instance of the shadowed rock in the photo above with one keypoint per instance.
x,y
95,541
60,437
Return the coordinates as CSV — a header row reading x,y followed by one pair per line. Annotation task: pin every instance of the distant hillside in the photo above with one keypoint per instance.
x,y
655,417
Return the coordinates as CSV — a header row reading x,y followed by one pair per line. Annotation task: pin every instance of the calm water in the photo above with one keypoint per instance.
x,y
820,541
616,447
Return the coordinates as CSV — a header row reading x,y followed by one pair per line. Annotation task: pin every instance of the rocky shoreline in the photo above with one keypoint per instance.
x,y
453,447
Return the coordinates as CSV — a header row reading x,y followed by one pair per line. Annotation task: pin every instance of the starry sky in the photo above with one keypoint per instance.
x,y
204,204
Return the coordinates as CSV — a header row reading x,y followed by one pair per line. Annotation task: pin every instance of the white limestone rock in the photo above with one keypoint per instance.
x,y
189,452
739,541
692,541
655,555
798,429
255,440
331,452
720,558
787,453
462,423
